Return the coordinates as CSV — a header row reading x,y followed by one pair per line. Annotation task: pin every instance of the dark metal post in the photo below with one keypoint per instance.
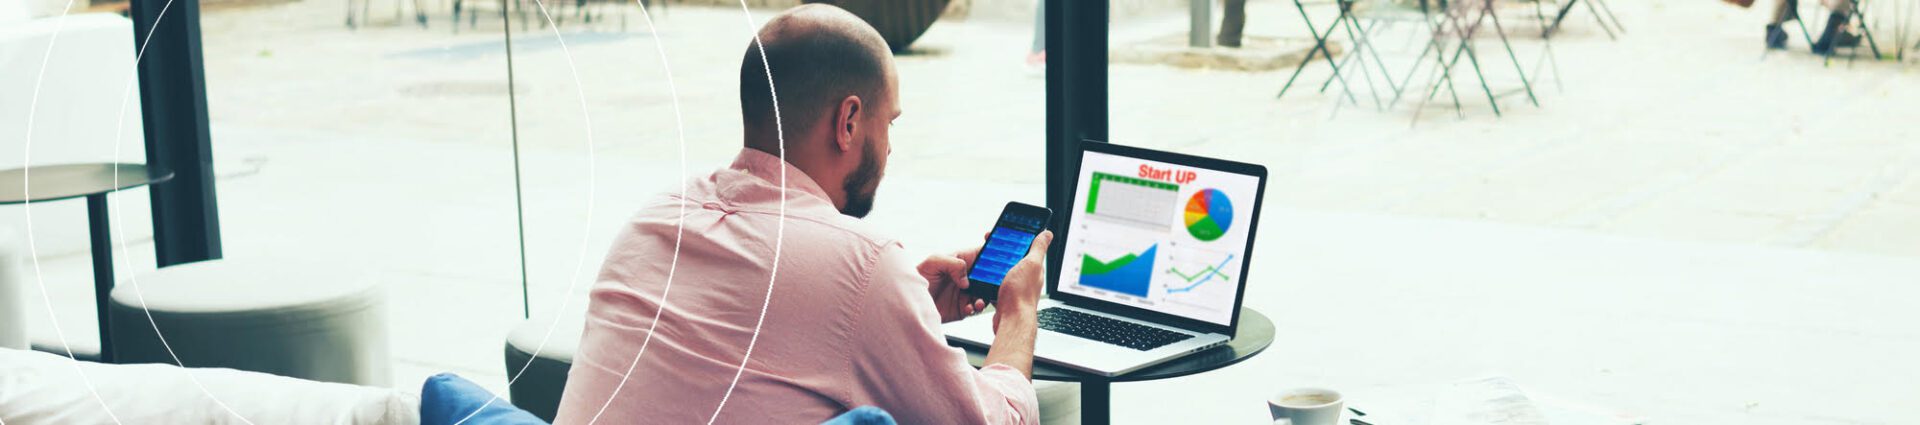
x,y
102,241
1096,403
173,106
1076,111
1076,97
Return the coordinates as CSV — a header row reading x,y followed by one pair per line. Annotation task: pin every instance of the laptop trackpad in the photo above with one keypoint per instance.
x,y
1055,344
1086,353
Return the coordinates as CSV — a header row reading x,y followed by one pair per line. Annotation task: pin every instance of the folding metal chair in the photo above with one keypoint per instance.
x,y
1320,47
1547,59
591,11
1449,27
1394,12
586,11
354,21
1378,15
1906,25
1602,14
1903,24
1361,38
1481,11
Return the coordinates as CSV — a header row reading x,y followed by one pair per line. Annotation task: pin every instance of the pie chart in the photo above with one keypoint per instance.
x,y
1209,213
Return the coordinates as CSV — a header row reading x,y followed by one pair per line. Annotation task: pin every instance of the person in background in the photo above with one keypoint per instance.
x,y
1037,55
1232,23
1835,34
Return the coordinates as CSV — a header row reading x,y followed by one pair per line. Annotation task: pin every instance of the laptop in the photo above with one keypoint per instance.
x,y
1152,261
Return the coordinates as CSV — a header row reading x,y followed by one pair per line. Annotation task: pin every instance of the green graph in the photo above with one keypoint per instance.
x,y
1206,274
1197,275
1130,274
1090,265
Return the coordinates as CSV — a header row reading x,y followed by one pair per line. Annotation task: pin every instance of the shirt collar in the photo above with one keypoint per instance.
x,y
767,167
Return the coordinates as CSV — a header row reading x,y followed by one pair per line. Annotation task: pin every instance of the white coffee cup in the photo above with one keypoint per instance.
x,y
1306,406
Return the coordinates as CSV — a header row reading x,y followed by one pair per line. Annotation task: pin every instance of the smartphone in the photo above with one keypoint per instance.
x,y
1010,240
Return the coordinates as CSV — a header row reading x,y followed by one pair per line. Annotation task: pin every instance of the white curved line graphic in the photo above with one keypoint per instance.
x,y
780,233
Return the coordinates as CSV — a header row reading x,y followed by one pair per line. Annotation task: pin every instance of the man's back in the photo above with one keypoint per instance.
x,y
842,327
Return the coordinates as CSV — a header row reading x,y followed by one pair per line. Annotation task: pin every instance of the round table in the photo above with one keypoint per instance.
x,y
93,181
1253,336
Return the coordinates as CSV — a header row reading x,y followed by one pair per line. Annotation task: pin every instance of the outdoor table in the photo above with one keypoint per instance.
x,y
93,181
1096,392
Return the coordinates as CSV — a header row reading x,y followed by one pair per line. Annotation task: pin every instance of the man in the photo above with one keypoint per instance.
x,y
1037,53
849,320
1232,23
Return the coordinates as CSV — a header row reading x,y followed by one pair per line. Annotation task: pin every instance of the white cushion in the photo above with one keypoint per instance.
x,y
41,388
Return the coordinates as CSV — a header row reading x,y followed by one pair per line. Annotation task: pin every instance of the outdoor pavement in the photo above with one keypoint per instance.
x,y
1687,229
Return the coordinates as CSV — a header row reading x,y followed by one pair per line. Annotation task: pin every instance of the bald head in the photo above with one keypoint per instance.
x,y
834,79
818,55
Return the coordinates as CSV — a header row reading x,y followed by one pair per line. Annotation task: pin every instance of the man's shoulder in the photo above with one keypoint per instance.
x,y
818,221
804,229
732,191
854,228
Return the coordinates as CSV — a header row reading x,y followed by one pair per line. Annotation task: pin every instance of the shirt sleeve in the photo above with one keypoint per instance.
x,y
901,361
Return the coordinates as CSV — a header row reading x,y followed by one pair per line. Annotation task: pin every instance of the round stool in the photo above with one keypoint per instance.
x,y
538,390
1059,402
300,320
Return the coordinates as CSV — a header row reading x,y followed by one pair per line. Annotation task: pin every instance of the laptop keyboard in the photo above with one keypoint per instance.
x,y
1116,332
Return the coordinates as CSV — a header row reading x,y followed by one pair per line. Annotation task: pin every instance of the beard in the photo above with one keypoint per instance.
x,y
862,183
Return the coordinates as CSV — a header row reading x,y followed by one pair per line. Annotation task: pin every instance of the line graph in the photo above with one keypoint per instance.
x,y
1197,278
1210,270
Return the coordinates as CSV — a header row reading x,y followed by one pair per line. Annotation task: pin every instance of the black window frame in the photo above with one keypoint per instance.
x,y
173,110
1076,99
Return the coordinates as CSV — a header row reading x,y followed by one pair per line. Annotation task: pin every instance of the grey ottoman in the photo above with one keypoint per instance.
x,y
538,389
1059,402
300,320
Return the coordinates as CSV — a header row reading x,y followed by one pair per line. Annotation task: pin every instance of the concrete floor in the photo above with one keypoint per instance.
x,y
1686,229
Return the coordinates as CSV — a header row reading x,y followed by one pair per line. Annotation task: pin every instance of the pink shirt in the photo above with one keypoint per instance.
x,y
850,322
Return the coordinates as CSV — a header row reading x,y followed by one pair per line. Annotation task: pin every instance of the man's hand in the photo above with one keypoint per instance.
x,y
1014,324
1021,289
947,282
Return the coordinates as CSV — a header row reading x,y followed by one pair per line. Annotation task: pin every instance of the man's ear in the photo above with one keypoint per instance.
x,y
846,121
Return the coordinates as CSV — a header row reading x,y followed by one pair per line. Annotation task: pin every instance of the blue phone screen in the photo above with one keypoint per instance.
x,y
1007,244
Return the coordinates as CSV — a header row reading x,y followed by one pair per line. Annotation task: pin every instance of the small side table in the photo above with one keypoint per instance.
x,y
93,181
1096,392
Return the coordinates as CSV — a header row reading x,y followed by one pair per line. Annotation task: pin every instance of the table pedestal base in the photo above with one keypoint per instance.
x,y
1096,403
101,234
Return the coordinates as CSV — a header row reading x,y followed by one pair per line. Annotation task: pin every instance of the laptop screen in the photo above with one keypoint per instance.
x,y
1157,236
